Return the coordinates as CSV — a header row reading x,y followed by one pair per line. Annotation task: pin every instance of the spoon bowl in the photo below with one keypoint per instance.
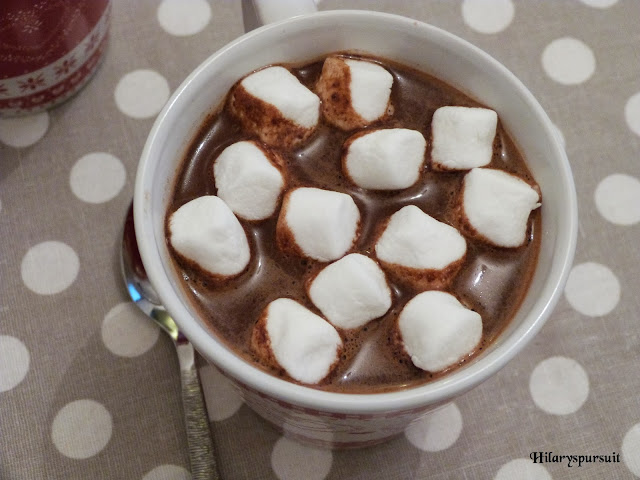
x,y
138,285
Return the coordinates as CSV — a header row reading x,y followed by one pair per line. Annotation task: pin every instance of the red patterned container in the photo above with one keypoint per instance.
x,y
48,50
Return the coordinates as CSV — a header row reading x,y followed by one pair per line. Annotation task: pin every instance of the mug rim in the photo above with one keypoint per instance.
x,y
451,385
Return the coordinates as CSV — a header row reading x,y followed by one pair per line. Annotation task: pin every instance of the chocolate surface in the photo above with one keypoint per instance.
x,y
492,281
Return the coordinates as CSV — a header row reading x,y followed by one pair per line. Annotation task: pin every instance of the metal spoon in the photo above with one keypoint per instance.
x,y
200,444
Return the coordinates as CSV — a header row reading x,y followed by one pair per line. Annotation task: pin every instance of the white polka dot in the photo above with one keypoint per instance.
x,y
128,332
631,449
184,17
141,93
436,431
49,267
168,472
81,429
97,177
23,131
559,385
291,460
487,16
592,289
14,362
632,113
599,3
221,397
568,61
617,198
522,469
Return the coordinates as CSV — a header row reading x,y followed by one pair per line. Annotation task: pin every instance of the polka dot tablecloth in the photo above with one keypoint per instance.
x,y
90,388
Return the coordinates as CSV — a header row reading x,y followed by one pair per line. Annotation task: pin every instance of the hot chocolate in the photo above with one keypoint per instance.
x,y
491,281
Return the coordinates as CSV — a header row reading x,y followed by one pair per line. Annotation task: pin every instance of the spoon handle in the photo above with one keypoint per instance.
x,y
201,453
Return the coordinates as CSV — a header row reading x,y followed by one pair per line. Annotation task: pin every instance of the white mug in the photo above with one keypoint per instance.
x,y
337,419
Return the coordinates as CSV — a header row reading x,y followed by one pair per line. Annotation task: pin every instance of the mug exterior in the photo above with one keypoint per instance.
x,y
322,428
350,420
49,50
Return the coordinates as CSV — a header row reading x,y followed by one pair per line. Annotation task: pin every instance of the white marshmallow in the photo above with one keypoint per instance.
x,y
280,88
247,181
416,240
303,343
388,159
206,231
351,291
437,330
497,205
462,137
370,88
323,223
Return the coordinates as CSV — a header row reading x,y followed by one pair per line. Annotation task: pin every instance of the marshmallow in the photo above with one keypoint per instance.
x,y
248,181
351,291
388,159
206,233
462,137
291,337
316,223
419,249
496,206
437,331
354,93
273,104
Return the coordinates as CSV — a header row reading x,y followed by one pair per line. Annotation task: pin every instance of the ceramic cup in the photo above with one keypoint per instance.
x,y
353,420
48,50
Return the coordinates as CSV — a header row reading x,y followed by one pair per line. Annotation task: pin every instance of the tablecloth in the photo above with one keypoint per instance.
x,y
90,388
